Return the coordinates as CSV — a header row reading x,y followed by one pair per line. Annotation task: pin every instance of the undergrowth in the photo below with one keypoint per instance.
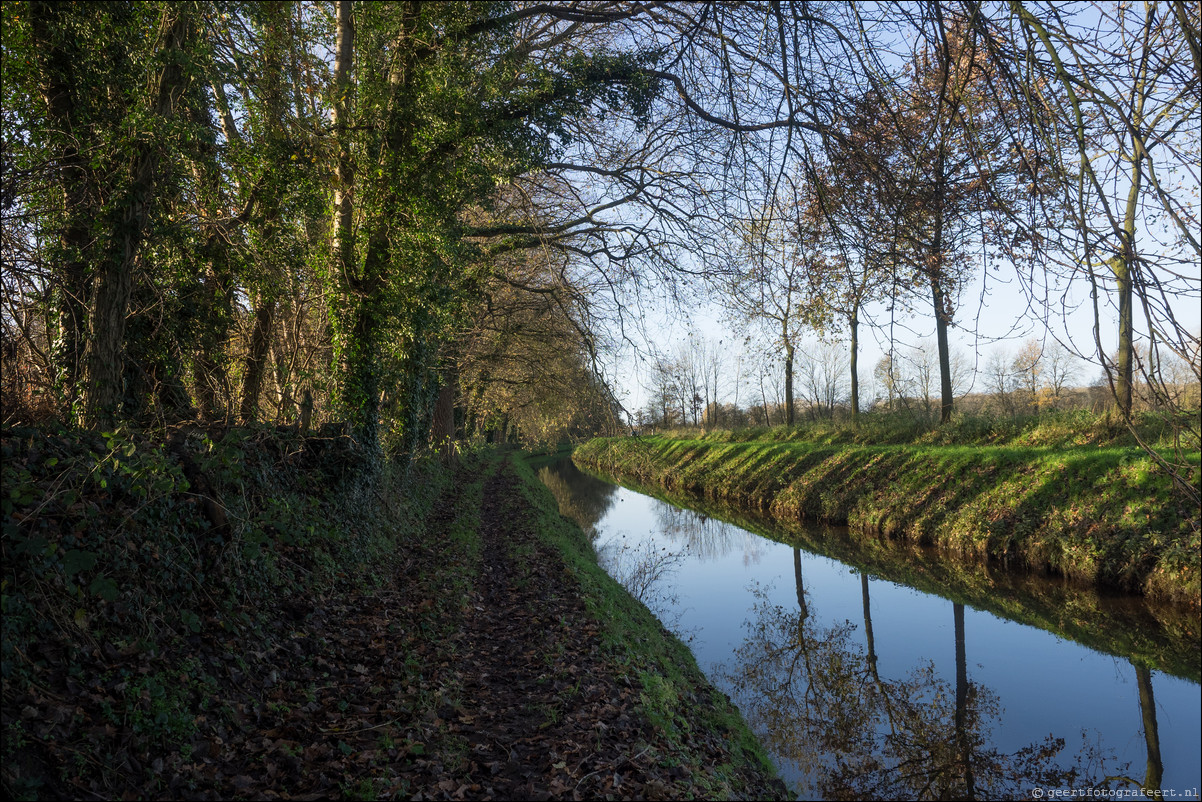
x,y
232,612
121,548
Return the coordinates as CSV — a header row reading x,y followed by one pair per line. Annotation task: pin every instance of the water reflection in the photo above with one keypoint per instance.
x,y
813,694
581,497
1161,637
1147,709
705,536
913,706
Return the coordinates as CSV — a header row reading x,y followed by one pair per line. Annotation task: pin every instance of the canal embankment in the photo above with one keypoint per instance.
x,y
1104,515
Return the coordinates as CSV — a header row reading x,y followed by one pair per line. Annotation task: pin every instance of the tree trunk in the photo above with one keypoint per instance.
x,y
963,745
209,349
801,591
854,358
344,174
945,367
442,429
208,360
360,384
350,318
102,383
943,316
1124,268
871,641
171,393
70,289
266,223
256,361
306,410
764,401
788,384
1147,709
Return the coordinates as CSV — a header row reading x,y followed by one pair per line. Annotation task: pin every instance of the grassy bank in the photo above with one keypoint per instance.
x,y
247,613
1102,514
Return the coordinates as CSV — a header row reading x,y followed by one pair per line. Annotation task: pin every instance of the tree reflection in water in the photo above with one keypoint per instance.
x,y
704,536
581,497
1147,709
814,696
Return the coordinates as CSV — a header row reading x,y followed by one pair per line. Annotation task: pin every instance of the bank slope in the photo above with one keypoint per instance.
x,y
1101,515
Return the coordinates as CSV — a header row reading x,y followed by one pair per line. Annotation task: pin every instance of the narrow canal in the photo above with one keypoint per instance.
x,y
862,686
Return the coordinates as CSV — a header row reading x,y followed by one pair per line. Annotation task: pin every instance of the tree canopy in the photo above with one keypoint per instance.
x,y
335,210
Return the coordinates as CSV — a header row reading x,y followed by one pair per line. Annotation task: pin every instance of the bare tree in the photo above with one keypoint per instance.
x,y
1060,369
999,378
1028,370
1109,103
769,280
823,370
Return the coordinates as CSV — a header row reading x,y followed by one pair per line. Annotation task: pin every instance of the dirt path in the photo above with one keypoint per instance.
x,y
542,714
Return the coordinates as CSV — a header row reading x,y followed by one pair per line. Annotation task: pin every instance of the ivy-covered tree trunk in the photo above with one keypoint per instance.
x,y
256,359
351,326
359,375
208,351
103,362
366,306
442,428
57,49
266,228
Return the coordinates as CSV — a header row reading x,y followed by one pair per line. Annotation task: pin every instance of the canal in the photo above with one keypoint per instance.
x,y
872,671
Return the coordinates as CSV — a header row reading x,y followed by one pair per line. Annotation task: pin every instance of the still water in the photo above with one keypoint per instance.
x,y
860,686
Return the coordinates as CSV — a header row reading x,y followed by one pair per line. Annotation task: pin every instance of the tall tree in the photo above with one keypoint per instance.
x,y
948,126
1126,87
856,211
769,280
128,217
107,124
1109,101
448,107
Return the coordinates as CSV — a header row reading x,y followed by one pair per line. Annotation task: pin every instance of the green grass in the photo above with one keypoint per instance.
x,y
1057,429
1100,512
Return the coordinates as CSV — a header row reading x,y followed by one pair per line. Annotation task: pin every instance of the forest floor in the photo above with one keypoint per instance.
x,y
478,671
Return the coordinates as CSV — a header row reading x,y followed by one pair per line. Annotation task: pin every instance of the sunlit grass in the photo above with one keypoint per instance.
x,y
1054,429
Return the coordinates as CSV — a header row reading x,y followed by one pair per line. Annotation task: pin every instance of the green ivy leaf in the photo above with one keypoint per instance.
x,y
191,619
105,588
76,560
